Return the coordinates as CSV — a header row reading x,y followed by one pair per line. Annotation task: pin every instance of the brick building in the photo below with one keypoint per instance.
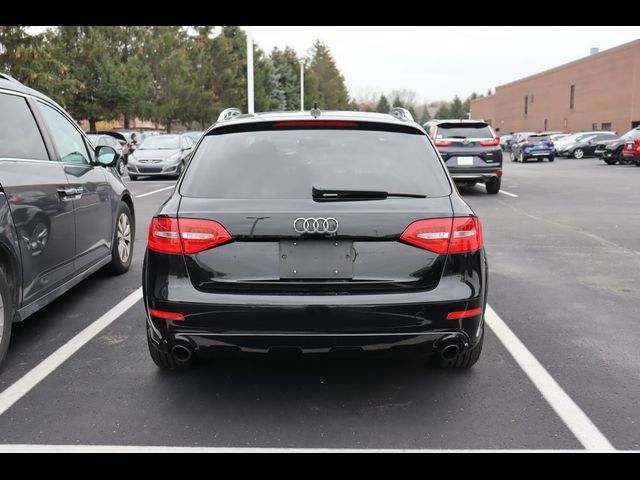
x,y
598,92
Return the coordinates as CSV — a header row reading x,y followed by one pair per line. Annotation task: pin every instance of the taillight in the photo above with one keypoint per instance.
x,y
490,143
442,143
445,235
164,236
165,315
464,314
185,235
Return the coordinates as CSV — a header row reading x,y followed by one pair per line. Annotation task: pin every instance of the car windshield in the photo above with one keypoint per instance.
x,y
464,130
160,142
631,134
289,163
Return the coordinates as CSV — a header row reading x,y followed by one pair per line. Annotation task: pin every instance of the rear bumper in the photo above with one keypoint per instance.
x,y
475,174
635,154
313,323
542,153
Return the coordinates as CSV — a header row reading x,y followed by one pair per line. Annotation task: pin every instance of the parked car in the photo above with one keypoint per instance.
x,y
505,142
611,150
536,145
160,155
556,137
101,139
583,145
64,211
316,234
631,150
194,135
471,151
518,137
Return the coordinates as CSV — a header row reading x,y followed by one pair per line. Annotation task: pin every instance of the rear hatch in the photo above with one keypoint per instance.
x,y
258,184
465,145
538,144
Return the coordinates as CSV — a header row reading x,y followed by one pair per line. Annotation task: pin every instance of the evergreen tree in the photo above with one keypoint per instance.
x,y
286,79
383,105
443,112
326,84
425,115
456,109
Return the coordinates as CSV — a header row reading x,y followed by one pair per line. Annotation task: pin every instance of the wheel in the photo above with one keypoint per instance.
x,y
121,167
463,360
552,158
493,186
621,159
577,153
124,235
6,315
165,361
521,158
133,177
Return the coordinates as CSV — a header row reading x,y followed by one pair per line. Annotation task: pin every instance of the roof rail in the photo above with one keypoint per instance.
x,y
401,114
229,113
6,76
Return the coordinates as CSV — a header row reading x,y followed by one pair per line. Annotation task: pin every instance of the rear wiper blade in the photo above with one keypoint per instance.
x,y
321,194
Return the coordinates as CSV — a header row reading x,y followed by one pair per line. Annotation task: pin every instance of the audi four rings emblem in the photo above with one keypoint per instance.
x,y
315,225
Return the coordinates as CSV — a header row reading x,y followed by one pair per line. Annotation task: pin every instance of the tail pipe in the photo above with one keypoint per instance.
x,y
450,346
181,352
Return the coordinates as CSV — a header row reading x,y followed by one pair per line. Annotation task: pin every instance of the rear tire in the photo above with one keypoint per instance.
x,y
493,186
552,158
123,237
611,161
466,359
6,315
165,361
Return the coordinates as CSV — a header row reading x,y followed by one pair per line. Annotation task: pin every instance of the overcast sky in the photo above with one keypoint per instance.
x,y
439,62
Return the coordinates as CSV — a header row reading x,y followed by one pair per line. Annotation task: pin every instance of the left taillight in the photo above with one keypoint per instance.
x,y
185,235
445,235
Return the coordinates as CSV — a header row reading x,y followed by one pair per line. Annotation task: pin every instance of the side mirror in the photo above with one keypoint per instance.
x,y
107,156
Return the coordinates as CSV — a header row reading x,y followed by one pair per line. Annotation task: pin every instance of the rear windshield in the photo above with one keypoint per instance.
x,y
468,130
288,163
539,138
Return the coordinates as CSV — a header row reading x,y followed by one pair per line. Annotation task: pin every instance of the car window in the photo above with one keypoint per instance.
x,y
67,138
288,163
466,130
19,133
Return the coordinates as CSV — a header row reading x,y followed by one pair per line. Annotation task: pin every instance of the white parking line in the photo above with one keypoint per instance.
x,y
570,413
155,191
509,193
144,449
20,388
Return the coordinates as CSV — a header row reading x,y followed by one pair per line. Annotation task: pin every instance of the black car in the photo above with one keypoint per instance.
x,y
611,151
64,211
471,151
583,145
316,234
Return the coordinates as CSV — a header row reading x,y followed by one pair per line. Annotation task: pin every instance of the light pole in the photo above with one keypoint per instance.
x,y
250,70
302,85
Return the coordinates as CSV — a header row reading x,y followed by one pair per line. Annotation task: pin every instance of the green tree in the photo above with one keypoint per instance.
x,y
456,109
383,105
286,79
443,112
325,82
426,116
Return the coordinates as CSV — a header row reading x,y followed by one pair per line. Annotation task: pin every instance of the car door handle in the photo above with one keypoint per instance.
x,y
68,194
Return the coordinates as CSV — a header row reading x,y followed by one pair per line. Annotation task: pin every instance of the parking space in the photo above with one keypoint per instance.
x,y
563,256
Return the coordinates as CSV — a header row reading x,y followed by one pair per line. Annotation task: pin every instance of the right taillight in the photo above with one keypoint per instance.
x,y
185,235
445,235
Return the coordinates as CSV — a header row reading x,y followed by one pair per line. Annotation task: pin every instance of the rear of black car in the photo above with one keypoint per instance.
x,y
471,152
315,236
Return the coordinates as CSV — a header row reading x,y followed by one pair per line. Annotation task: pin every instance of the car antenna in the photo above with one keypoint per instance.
x,y
315,111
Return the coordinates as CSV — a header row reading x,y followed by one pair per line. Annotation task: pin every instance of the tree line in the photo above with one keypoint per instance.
x,y
165,74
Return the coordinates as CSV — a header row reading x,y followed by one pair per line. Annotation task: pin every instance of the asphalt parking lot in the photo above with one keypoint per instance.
x,y
562,242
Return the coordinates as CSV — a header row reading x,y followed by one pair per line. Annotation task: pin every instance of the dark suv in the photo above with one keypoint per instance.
x,y
471,151
315,233
611,151
64,211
